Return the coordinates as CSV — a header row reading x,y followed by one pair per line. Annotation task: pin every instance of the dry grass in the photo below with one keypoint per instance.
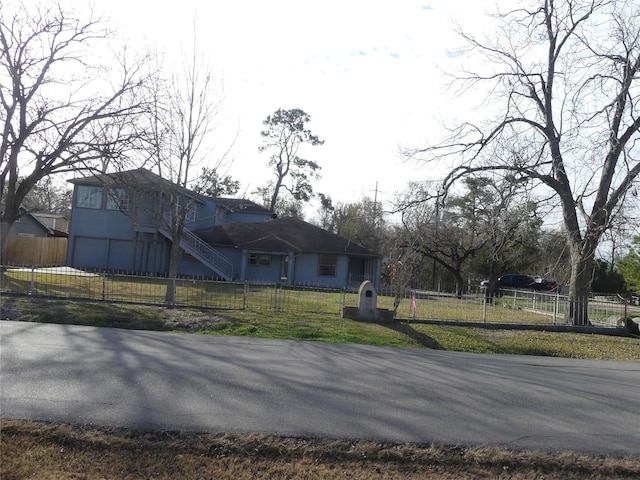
x,y
45,451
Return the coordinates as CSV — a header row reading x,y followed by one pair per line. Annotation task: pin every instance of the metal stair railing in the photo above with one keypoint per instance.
x,y
208,255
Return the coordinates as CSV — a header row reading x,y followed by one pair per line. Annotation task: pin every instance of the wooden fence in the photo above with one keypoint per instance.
x,y
35,251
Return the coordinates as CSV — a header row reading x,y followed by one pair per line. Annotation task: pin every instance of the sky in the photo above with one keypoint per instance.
x,y
369,73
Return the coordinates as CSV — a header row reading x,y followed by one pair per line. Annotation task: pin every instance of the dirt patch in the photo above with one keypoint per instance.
x,y
143,317
191,320
9,313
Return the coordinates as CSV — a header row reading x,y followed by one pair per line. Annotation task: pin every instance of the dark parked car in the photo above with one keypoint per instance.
x,y
544,285
517,280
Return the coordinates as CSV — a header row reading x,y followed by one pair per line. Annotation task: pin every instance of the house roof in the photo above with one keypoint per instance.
x,y
240,205
139,177
57,223
282,235
142,177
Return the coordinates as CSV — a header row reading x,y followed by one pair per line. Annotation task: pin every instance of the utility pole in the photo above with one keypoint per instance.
x,y
437,222
376,233
375,206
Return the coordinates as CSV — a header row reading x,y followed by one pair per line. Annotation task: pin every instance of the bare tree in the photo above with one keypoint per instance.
x,y
184,114
48,196
509,225
362,222
563,78
61,102
490,228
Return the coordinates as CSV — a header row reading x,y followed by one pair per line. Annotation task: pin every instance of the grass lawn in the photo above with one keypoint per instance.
x,y
51,451
323,327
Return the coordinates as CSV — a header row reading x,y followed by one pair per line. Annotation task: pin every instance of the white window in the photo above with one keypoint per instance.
x,y
118,199
89,197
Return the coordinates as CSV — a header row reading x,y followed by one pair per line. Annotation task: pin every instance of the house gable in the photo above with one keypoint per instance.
x,y
118,222
143,190
29,225
58,224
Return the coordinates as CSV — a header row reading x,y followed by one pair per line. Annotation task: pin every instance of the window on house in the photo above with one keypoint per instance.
x,y
192,214
327,265
89,197
118,199
260,259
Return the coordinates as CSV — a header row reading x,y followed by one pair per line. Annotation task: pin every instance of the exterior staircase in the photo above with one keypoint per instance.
x,y
206,254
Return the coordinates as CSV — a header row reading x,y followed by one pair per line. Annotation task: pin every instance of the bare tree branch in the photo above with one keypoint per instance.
x,y
58,101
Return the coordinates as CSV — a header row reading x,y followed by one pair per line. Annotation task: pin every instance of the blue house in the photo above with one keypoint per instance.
x,y
117,224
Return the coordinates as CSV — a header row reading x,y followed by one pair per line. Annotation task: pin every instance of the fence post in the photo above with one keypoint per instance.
x,y
244,296
626,310
275,297
104,286
32,287
276,291
533,305
484,309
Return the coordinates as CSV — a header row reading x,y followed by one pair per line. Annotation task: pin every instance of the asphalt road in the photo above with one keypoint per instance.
x,y
102,376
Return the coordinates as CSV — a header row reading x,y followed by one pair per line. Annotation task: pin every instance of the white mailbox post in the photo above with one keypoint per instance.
x,y
367,301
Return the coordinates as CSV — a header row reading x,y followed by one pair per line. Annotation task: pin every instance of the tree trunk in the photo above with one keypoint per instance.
x,y
174,259
276,192
580,287
5,227
9,217
459,284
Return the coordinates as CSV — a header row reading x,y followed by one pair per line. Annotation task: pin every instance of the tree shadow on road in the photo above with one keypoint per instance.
x,y
418,337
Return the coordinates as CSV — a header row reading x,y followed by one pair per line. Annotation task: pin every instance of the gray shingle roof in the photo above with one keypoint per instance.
x,y
285,234
240,205
138,177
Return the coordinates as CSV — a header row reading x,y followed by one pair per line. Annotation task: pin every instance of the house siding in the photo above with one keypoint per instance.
x,y
102,223
189,266
210,214
230,217
306,271
262,274
100,238
28,226
206,215
88,252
